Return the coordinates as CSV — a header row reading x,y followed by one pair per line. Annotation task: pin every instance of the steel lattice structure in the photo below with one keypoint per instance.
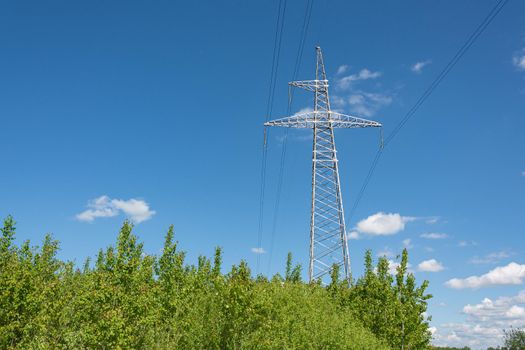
x,y
328,239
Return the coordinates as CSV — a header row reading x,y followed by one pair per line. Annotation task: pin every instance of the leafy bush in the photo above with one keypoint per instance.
x,y
514,339
129,300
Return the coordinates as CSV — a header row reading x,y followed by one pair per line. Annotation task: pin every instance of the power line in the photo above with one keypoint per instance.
x,y
297,66
450,65
281,11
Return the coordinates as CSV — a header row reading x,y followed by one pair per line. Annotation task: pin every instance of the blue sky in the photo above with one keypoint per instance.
x,y
156,110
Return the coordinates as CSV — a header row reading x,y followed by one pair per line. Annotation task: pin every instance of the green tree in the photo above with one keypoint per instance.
x,y
293,273
9,294
128,299
514,339
392,309
413,305
8,234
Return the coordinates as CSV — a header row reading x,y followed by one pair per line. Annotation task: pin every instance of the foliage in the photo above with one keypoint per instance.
x,y
128,299
392,307
514,339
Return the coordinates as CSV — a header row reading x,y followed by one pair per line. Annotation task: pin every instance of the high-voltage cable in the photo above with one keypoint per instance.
x,y
269,105
426,94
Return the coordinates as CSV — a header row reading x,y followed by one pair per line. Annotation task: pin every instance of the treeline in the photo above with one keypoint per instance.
x,y
127,299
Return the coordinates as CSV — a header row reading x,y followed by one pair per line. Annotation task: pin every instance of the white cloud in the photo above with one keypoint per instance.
x,y
433,235
459,335
258,250
338,102
366,103
431,265
137,210
387,252
516,311
393,265
511,274
467,244
519,60
353,235
342,69
380,99
360,109
523,173
364,74
418,66
303,110
499,311
102,207
407,243
485,322
98,208
491,258
383,224
358,101
432,220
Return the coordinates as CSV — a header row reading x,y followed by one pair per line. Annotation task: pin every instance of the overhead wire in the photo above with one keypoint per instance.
x,y
279,27
426,94
297,66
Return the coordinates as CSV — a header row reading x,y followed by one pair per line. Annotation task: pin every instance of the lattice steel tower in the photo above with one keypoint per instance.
x,y
328,239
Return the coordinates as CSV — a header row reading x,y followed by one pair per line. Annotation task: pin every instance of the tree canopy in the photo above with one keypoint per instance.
x,y
127,299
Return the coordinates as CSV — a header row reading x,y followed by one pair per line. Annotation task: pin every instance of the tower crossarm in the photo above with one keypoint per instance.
x,y
309,119
347,121
310,85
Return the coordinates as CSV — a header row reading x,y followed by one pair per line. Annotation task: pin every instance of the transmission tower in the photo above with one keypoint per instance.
x,y
328,239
